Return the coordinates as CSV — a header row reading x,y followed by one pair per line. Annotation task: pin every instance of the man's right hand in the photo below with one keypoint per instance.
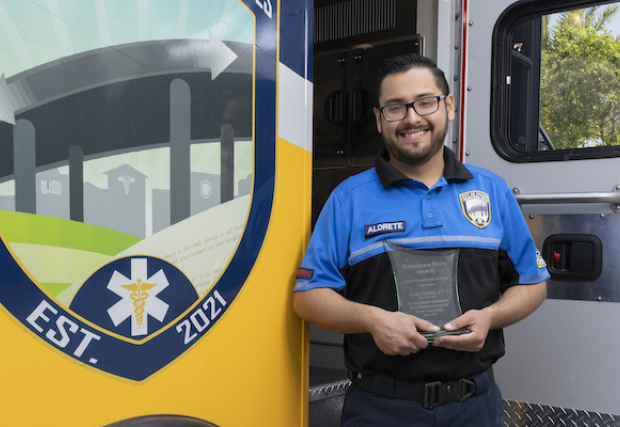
x,y
397,333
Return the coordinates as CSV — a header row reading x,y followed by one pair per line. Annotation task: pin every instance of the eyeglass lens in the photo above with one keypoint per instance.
x,y
421,106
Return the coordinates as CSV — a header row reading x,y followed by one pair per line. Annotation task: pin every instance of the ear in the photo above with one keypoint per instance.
x,y
378,117
450,107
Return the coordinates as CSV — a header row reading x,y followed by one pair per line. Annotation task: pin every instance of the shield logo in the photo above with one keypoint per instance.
x,y
124,239
476,207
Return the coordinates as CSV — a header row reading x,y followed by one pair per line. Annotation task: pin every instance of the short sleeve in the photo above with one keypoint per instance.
x,y
328,250
519,244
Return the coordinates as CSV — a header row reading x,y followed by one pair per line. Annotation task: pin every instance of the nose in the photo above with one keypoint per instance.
x,y
412,116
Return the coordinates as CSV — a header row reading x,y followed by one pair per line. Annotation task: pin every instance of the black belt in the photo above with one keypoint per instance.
x,y
431,394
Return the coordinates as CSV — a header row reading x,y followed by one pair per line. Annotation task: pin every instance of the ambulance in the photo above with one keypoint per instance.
x,y
163,162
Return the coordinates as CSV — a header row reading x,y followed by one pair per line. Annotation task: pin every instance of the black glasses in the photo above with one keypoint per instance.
x,y
422,107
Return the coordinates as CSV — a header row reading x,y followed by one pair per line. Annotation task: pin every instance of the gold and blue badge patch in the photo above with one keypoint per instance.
x,y
540,261
476,207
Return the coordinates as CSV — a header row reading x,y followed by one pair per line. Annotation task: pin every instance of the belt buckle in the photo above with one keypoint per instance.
x,y
431,395
473,388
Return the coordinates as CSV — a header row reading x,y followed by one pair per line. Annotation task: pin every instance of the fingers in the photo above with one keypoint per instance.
x,y
403,344
475,321
402,347
464,321
425,325
398,334
470,342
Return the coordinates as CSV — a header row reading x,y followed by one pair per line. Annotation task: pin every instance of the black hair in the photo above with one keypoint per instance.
x,y
402,63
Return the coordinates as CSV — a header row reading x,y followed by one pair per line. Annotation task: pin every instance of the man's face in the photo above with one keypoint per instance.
x,y
415,139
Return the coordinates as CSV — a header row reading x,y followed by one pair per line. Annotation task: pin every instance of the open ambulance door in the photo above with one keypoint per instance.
x,y
539,104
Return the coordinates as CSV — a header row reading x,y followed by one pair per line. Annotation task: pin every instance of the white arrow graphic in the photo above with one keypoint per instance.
x,y
217,57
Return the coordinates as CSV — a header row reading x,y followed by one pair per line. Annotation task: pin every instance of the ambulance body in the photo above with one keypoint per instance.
x,y
155,192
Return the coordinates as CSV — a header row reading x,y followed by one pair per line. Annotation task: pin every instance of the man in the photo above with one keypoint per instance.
x,y
416,196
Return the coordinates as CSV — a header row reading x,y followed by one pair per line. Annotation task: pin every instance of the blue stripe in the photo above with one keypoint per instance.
x,y
297,17
421,241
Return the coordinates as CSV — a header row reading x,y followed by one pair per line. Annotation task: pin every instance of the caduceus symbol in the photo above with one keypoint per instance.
x,y
139,296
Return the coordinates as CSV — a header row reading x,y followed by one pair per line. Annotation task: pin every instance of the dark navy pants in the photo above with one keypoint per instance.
x,y
364,409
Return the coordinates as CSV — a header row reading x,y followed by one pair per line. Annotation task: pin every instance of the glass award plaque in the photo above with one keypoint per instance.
x,y
427,286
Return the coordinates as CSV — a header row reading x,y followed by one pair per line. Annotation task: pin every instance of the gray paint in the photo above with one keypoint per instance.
x,y
24,158
161,210
180,141
53,194
201,198
76,183
205,191
83,117
227,156
122,206
107,65
7,203
426,27
564,355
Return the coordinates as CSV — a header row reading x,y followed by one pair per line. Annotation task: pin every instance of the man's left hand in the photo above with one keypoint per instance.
x,y
515,304
477,321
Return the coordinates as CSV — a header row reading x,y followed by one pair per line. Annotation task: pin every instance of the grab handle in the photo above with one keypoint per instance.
x,y
612,197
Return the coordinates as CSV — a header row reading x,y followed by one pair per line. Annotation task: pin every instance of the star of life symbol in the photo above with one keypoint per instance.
x,y
139,297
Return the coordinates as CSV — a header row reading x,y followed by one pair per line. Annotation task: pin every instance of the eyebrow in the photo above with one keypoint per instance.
x,y
397,100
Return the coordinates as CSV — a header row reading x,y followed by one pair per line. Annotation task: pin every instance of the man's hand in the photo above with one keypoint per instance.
x,y
515,304
397,333
477,321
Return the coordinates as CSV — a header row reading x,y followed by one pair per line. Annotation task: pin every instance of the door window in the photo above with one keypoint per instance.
x,y
557,82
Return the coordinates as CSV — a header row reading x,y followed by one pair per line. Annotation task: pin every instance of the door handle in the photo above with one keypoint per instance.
x,y
336,108
360,105
612,197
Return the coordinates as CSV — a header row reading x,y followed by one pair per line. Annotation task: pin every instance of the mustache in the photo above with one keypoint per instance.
x,y
407,128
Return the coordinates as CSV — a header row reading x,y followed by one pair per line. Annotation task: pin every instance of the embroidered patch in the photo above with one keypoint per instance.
x,y
305,273
476,208
373,230
539,260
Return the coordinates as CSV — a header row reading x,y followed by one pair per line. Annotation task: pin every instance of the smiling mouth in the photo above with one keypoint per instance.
x,y
414,133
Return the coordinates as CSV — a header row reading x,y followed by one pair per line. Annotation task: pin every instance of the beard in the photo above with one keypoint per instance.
x,y
422,156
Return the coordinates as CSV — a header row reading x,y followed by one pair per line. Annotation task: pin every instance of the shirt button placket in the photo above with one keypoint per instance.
x,y
430,217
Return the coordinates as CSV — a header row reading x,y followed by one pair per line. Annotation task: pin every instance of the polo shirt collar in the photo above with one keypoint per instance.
x,y
453,169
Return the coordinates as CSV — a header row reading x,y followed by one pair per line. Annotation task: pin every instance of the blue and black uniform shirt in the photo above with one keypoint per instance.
x,y
469,208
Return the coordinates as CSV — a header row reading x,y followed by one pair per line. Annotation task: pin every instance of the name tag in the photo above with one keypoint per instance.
x,y
373,230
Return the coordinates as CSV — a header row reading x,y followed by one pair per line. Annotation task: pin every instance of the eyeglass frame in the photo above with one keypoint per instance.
x,y
411,105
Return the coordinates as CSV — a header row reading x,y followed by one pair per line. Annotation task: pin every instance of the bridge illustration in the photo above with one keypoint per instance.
x,y
126,100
